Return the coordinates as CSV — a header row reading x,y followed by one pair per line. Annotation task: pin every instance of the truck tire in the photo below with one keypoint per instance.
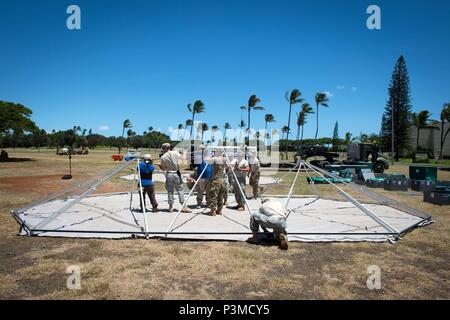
x,y
378,167
315,163
322,164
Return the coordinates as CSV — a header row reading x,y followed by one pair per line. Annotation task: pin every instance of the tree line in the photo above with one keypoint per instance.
x,y
18,130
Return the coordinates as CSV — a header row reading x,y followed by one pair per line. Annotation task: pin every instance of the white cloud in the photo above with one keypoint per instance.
x,y
328,93
340,87
103,128
354,89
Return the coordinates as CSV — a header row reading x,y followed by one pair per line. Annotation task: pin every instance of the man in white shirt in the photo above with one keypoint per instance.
x,y
271,215
170,163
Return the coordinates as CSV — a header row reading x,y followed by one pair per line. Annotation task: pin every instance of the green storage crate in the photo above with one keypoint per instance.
x,y
422,185
375,183
423,173
320,180
439,197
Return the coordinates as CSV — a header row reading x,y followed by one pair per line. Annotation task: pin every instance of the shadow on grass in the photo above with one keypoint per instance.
x,y
19,160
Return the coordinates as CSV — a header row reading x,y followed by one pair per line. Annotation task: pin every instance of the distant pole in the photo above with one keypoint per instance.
x,y
393,132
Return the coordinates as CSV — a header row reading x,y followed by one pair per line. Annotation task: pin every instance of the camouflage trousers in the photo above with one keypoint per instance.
x,y
216,192
254,182
237,191
226,187
277,224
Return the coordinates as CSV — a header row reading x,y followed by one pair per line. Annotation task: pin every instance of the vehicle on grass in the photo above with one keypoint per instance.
x,y
357,154
63,152
132,154
3,156
81,151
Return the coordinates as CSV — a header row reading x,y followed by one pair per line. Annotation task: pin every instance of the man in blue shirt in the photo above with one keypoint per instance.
x,y
146,169
204,184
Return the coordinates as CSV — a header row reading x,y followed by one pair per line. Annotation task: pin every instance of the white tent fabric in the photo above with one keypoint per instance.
x,y
77,212
311,219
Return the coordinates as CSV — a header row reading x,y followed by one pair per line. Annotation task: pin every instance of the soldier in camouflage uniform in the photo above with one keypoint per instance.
x,y
226,186
241,167
255,174
216,190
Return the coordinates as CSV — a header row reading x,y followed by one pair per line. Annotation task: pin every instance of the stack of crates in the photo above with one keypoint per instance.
x,y
423,178
396,182
440,194
377,182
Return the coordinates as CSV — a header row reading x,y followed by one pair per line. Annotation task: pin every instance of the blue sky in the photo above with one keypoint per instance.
x,y
146,60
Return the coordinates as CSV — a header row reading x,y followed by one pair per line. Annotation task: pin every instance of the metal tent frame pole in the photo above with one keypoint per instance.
x,y
238,184
35,231
278,179
91,189
142,196
380,221
291,190
187,198
132,188
379,197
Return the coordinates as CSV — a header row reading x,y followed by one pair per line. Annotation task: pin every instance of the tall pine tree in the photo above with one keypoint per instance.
x,y
335,136
399,103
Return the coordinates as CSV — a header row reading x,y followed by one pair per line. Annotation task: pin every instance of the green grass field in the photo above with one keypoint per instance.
x,y
35,268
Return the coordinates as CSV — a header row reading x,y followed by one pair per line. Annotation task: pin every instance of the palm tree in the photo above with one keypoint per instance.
x,y
130,134
251,105
293,97
198,107
445,117
180,127
348,138
204,128
321,100
301,119
284,131
214,129
268,118
126,125
420,121
242,126
226,126
187,124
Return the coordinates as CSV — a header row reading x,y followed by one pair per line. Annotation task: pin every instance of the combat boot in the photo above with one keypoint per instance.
x,y
283,242
186,210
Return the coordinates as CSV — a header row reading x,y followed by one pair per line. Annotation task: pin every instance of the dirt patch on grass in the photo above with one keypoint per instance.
x,y
43,185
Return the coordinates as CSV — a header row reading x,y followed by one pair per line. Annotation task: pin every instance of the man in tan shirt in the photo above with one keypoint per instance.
x,y
170,164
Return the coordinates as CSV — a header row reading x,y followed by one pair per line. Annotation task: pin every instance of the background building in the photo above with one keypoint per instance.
x,y
431,137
